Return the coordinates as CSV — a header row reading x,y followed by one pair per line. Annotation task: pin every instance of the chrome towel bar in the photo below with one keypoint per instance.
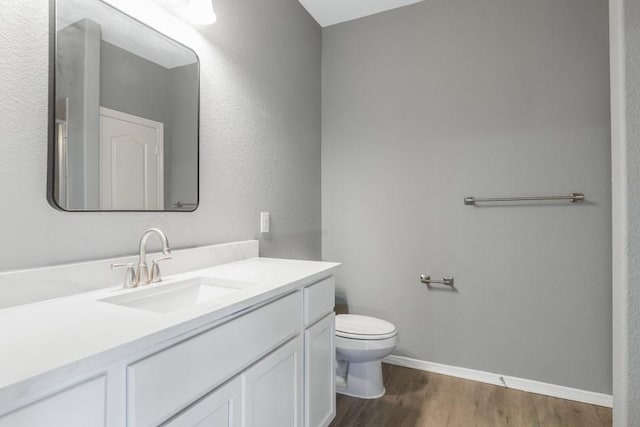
x,y
446,280
573,198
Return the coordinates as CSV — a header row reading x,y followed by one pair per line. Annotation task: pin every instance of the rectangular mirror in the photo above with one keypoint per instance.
x,y
124,113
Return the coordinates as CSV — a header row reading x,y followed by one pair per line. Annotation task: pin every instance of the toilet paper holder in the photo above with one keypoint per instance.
x,y
446,280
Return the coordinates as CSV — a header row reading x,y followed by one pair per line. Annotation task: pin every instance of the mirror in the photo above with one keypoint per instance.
x,y
124,112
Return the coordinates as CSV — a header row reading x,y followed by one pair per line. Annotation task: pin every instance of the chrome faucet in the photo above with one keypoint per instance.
x,y
142,274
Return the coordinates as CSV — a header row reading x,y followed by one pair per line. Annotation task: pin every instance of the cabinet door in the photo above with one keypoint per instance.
x,y
273,388
220,408
320,373
319,300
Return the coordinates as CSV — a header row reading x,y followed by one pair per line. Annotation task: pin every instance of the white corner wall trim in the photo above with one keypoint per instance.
x,y
516,383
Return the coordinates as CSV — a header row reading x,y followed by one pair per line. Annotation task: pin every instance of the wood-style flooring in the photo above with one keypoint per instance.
x,y
416,398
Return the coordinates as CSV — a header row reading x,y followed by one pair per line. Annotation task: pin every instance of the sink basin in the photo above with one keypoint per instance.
x,y
176,296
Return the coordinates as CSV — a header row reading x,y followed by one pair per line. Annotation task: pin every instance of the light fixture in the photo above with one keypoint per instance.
x,y
201,12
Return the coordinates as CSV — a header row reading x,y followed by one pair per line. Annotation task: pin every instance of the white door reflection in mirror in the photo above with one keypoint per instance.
x,y
131,162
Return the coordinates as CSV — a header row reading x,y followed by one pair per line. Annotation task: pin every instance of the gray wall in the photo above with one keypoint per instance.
x,y
260,140
625,106
181,174
133,84
430,103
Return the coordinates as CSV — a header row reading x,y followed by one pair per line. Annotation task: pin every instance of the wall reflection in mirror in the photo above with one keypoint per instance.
x,y
125,101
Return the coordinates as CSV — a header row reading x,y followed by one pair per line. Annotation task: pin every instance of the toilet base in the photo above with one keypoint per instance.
x,y
363,380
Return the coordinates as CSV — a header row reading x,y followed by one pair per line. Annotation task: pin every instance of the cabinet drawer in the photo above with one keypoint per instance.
x,y
164,383
79,406
319,300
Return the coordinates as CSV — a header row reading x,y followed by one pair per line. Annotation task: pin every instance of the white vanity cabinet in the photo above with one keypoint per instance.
x,y
79,406
269,393
163,383
319,351
293,386
270,364
320,377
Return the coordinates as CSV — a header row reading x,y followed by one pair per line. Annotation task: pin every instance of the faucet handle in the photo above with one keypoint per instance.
x,y
155,269
130,275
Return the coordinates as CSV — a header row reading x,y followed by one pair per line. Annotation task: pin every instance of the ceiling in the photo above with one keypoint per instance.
x,y
329,12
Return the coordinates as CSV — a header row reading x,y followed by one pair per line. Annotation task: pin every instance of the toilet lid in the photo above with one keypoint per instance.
x,y
363,327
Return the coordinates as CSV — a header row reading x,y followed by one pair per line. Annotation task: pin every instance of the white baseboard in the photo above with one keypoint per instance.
x,y
531,386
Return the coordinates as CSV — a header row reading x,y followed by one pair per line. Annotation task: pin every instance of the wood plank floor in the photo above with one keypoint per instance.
x,y
416,398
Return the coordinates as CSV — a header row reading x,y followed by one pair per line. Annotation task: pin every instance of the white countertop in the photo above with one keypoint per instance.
x,y
42,337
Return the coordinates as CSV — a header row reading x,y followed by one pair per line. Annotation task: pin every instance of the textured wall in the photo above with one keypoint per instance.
x,y
625,108
444,99
259,147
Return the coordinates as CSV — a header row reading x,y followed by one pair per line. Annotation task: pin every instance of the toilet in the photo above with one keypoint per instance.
x,y
361,344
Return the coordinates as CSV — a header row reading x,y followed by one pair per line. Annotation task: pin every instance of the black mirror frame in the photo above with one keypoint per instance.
x,y
51,140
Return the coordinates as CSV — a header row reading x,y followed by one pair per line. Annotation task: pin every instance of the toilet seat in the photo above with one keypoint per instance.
x,y
353,326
